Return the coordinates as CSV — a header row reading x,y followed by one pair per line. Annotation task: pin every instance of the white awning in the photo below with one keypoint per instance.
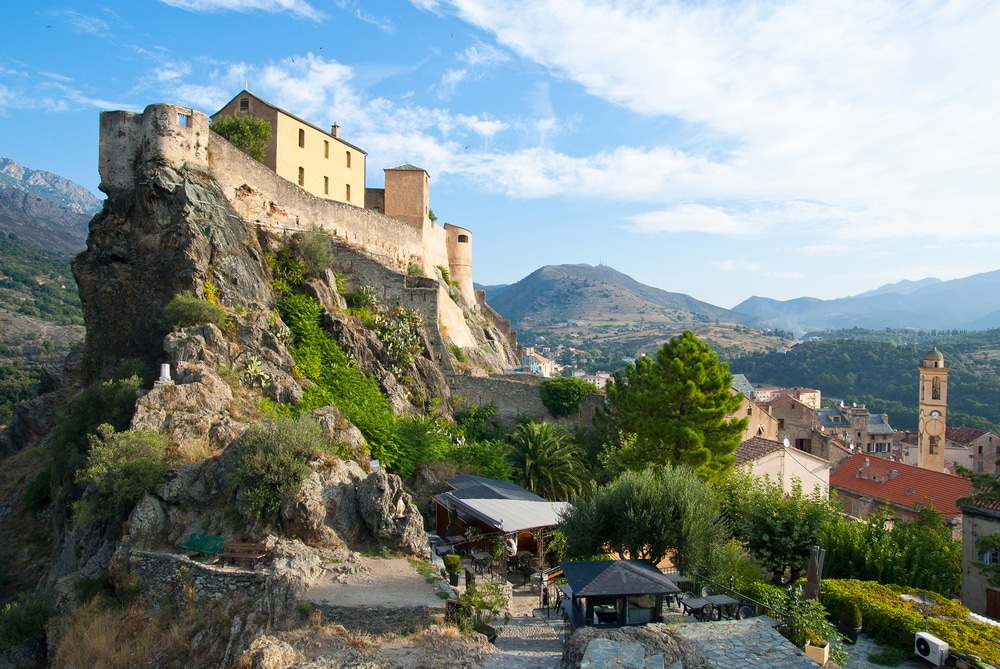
x,y
511,515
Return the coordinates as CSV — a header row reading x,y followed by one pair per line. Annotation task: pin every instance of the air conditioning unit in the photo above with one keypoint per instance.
x,y
930,648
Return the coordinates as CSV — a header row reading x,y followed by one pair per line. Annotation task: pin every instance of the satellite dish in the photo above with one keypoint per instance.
x,y
785,442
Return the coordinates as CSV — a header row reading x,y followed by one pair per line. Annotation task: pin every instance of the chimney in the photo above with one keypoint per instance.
x,y
867,463
335,130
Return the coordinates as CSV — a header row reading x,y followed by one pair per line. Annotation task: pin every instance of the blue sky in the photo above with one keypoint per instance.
x,y
718,149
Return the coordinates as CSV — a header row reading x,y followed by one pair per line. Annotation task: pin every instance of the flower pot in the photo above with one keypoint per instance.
x,y
453,578
850,632
491,633
819,654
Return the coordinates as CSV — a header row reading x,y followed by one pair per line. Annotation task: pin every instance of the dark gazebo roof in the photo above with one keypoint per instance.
x,y
616,578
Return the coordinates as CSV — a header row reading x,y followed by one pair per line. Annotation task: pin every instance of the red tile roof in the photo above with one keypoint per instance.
x,y
963,435
779,401
755,449
909,486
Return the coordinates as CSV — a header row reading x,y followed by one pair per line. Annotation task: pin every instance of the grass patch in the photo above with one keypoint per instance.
x,y
425,569
888,657
382,552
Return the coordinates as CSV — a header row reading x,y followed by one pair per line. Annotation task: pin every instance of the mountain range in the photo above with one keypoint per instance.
x,y
44,209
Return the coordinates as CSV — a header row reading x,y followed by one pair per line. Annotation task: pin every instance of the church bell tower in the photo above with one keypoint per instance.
x,y
933,411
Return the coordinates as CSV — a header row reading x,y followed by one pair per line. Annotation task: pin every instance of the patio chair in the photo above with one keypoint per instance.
x,y
705,613
744,612
707,590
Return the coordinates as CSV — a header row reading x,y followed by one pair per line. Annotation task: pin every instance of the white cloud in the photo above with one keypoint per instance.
x,y
354,8
875,113
691,218
448,83
82,23
295,7
482,55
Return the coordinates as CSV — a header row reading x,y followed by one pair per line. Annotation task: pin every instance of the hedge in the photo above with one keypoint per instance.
x,y
892,620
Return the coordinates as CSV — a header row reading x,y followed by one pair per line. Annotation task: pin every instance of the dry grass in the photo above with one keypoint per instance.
x,y
433,637
195,452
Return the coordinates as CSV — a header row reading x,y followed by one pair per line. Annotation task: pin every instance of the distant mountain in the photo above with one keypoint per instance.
x,y
972,303
561,293
45,209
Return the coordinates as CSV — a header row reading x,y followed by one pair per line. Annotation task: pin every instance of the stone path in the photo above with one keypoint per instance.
x,y
859,652
739,644
528,642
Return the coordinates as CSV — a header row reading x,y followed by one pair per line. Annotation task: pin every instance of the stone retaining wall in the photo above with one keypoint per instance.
x,y
382,619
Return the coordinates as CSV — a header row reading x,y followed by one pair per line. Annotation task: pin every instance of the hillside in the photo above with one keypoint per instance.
x,y
879,368
611,316
969,303
44,209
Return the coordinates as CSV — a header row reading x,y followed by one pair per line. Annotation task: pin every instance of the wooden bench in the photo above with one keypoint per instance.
x,y
235,550
206,544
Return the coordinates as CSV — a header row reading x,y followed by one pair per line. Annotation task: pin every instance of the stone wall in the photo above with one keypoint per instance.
x,y
382,619
518,394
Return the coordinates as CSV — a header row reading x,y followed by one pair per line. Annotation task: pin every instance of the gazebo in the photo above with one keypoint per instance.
x,y
614,593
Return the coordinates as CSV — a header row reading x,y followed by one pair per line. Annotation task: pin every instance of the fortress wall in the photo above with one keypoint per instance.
x,y
175,135
518,394
435,249
262,197
119,150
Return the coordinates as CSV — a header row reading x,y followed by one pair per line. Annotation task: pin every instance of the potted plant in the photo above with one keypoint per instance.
x,y
481,605
817,648
453,565
850,621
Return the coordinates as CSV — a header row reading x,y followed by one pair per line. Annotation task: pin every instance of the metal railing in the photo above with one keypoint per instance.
x,y
745,600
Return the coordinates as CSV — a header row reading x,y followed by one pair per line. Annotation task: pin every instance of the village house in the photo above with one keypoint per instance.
x,y
864,483
978,594
803,427
319,161
982,445
808,396
779,462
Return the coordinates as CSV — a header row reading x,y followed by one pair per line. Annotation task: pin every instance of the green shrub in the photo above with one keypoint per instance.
x,y
892,620
24,619
452,563
338,382
563,395
272,460
446,276
287,271
850,614
316,249
425,440
362,297
186,310
807,621
39,492
111,402
414,269
480,606
459,354
121,467
399,331
248,134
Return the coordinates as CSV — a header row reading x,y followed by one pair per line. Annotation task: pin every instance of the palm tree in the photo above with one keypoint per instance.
x,y
546,461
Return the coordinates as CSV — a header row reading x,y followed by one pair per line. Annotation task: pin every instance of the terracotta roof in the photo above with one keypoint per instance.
x,y
908,486
963,435
755,449
780,400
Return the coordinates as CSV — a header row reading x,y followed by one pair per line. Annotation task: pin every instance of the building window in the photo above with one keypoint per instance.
x,y
348,192
302,138
781,423
302,176
326,185
935,389
463,239
326,149
244,104
990,557
749,411
980,450
184,120
871,448
934,442
979,466
348,158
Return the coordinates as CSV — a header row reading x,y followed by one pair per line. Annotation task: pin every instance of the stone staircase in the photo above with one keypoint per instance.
x,y
529,642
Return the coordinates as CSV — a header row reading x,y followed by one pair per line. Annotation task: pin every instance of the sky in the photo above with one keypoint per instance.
x,y
719,149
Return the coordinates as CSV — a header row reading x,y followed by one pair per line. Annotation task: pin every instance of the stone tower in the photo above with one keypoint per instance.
x,y
933,411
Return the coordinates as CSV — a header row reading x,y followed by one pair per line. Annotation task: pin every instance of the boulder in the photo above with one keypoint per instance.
x,y
390,515
267,652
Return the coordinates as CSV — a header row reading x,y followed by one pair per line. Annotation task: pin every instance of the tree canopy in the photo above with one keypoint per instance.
x,y
546,461
649,515
778,528
563,395
248,134
674,408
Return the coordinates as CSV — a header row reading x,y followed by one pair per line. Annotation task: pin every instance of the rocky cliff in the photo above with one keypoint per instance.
x,y
174,230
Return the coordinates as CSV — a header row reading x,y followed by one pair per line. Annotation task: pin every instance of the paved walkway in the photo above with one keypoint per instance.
x,y
859,652
529,642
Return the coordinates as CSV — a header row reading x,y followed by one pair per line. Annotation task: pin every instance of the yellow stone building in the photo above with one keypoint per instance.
x,y
933,411
320,162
